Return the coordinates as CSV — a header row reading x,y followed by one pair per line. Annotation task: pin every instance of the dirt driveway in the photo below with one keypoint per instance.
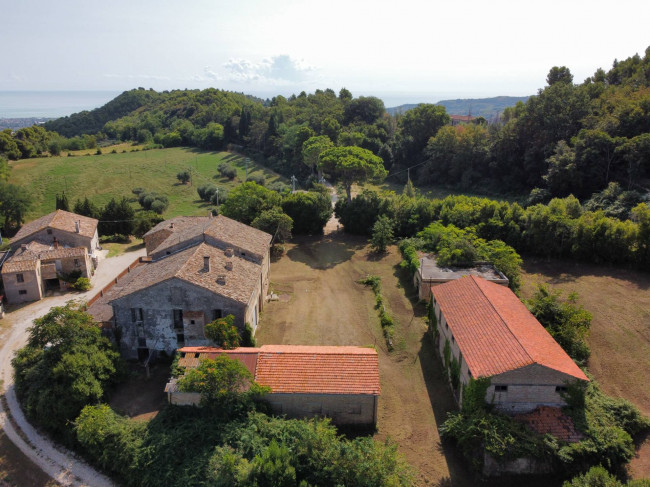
x,y
321,303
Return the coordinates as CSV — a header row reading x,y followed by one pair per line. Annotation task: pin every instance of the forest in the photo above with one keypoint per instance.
x,y
570,138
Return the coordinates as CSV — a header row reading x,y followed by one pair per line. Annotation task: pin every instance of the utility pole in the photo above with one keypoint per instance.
x,y
293,183
408,173
217,198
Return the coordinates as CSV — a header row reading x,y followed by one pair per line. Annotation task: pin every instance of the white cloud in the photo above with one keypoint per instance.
x,y
281,70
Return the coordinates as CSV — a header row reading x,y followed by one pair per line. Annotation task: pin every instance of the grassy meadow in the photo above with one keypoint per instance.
x,y
102,177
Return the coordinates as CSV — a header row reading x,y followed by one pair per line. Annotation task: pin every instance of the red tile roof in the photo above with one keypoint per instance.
x,y
552,421
319,370
298,369
495,331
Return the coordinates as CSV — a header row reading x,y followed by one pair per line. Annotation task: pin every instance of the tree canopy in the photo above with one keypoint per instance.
x,y
352,165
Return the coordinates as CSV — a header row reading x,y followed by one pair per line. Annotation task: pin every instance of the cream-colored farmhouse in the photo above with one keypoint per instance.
x,y
341,383
47,249
490,333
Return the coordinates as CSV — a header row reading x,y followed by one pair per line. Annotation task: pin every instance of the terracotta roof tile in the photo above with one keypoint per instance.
x,y
318,370
60,219
237,234
26,259
300,369
188,265
495,331
184,228
552,421
19,265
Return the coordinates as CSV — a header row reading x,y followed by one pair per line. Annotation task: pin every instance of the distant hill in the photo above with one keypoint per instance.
x,y
488,108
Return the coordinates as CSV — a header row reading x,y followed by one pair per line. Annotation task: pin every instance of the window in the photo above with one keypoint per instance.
x,y
180,338
22,291
500,388
20,278
49,231
216,314
192,322
142,342
560,389
76,262
136,314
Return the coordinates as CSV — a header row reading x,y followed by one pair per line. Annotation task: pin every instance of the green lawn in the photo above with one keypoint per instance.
x,y
114,175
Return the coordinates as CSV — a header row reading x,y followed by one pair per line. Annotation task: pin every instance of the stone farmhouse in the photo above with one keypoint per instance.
x,y
490,333
199,269
44,250
341,383
431,274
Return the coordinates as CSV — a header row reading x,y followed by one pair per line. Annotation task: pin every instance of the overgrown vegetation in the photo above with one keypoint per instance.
x,y
566,321
385,319
66,365
191,446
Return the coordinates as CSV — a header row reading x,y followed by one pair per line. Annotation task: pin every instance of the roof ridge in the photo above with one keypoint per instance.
x,y
505,322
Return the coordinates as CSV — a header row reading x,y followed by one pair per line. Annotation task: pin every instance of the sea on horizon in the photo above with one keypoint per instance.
x,y
51,104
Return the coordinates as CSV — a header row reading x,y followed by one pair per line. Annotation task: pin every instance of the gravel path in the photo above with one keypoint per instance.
x,y
59,463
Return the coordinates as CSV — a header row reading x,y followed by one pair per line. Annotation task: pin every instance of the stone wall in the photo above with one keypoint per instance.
x,y
31,283
157,302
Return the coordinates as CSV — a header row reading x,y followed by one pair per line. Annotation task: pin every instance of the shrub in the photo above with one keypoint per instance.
x,y
82,284
206,191
184,177
247,337
227,171
309,211
382,234
223,332
257,178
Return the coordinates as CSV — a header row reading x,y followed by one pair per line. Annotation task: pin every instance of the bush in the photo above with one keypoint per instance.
x,y
227,171
82,284
206,191
309,211
66,365
382,234
152,201
223,332
184,177
278,186
257,178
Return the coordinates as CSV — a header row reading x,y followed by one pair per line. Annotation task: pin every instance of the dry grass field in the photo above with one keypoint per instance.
x,y
619,300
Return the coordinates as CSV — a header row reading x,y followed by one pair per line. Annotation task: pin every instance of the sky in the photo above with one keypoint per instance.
x,y
406,48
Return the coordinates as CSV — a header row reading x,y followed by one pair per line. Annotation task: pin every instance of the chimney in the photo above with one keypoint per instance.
x,y
229,265
229,252
76,227
221,279
171,225
210,214
23,247
206,263
55,243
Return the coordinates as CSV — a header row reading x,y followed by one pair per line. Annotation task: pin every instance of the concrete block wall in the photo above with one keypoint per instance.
x,y
342,408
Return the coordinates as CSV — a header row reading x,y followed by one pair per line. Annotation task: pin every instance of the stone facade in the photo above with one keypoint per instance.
x,y
23,285
172,314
